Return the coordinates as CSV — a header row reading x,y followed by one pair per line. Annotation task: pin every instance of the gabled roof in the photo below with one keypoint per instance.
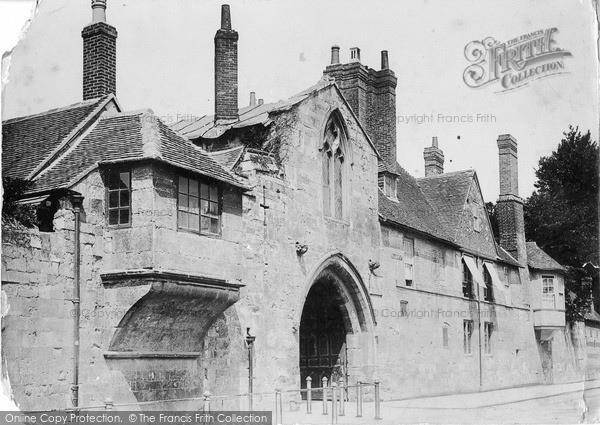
x,y
28,141
447,194
126,137
412,209
227,158
539,260
505,256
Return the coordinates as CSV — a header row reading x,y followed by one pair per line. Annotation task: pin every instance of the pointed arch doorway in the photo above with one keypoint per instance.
x,y
336,327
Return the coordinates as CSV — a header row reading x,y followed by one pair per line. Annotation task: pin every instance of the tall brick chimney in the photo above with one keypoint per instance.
x,y
226,69
510,205
371,95
434,159
99,54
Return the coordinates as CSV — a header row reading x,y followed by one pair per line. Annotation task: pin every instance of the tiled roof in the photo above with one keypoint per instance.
x,y
505,256
130,136
412,209
227,158
447,194
538,259
27,141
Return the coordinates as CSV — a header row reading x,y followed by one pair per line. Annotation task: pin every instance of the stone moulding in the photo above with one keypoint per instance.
x,y
172,317
150,355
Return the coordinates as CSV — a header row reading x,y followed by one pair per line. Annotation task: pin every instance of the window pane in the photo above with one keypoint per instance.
x,y
203,191
124,180
214,193
124,198
124,216
204,224
204,207
113,199
325,176
409,248
194,222
193,205
183,185
213,208
193,187
214,225
182,219
113,181
408,271
338,194
183,202
113,217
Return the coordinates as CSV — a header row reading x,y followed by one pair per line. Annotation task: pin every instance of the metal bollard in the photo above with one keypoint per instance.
x,y
324,393
359,400
206,395
308,394
278,407
377,401
342,388
334,408
109,404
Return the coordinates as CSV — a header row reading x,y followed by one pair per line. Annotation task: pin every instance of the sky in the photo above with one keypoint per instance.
x,y
165,54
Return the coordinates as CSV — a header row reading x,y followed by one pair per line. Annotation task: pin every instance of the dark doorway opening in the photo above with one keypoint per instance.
x,y
322,338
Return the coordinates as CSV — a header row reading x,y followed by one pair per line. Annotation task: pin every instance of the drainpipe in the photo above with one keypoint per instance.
x,y
479,335
250,341
76,201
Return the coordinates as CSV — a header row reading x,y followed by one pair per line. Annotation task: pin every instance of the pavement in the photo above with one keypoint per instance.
x,y
542,404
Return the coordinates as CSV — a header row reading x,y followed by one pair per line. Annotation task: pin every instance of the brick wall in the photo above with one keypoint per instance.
x,y
226,75
99,60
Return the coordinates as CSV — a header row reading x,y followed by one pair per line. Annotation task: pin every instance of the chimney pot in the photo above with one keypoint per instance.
x,y
335,55
354,54
98,11
252,98
225,17
385,63
434,142
260,101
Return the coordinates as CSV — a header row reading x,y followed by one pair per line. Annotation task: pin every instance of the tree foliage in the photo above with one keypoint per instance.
x,y
562,213
13,212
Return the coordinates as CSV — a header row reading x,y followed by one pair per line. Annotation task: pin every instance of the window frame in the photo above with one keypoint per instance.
x,y
488,330
201,180
488,291
390,186
467,283
409,261
544,298
468,330
108,191
334,159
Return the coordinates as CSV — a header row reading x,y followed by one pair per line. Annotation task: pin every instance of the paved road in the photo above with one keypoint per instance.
x,y
558,409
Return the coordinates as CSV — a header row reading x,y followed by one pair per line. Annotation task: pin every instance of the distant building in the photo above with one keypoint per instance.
x,y
161,248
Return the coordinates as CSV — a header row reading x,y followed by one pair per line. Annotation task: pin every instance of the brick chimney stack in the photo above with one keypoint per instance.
x,y
434,159
99,54
372,96
510,205
226,69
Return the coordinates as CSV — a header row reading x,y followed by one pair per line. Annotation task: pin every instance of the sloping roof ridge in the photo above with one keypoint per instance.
x,y
450,174
80,130
55,110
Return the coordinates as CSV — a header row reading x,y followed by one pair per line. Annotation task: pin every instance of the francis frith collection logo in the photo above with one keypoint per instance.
x,y
516,62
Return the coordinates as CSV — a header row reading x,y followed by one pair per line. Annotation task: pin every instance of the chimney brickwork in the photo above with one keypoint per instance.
x,y
226,69
371,95
99,55
434,159
510,206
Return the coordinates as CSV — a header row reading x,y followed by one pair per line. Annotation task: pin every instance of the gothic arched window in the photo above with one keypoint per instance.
x,y
333,160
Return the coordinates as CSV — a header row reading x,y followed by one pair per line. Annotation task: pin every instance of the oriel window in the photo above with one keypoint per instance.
x,y
199,206
118,198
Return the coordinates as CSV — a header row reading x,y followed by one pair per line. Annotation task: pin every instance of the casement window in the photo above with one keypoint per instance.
x,y
199,206
409,256
488,291
468,336
488,327
467,282
333,173
548,292
118,198
389,186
